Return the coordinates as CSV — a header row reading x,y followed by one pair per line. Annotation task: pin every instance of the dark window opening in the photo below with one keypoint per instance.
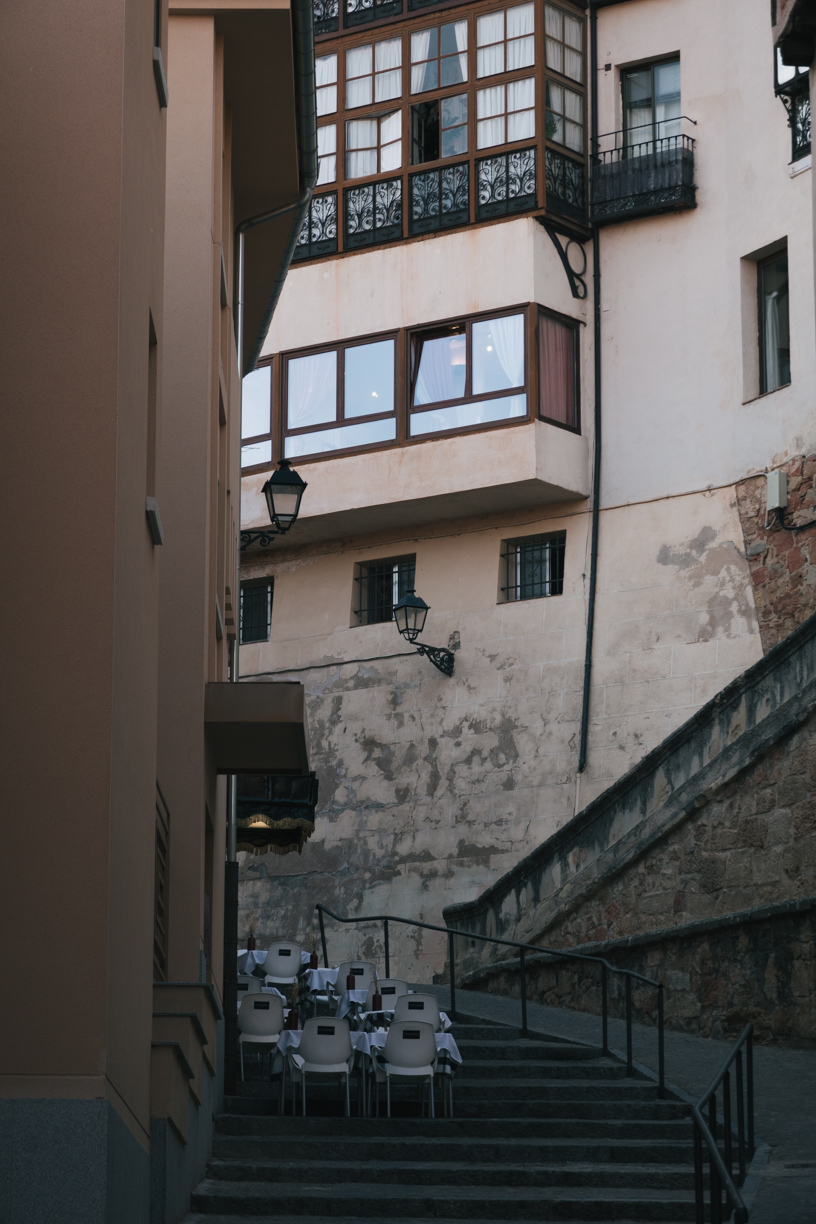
x,y
424,132
774,323
256,610
381,584
651,105
534,567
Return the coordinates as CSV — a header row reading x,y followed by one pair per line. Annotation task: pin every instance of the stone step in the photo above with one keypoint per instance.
x,y
452,1172
195,1217
463,1202
489,1068
466,1087
525,1048
479,1127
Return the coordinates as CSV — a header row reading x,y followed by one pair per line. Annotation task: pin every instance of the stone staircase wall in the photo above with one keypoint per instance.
x,y
697,868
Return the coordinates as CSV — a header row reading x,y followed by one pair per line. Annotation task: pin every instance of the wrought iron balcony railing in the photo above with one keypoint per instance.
x,y
439,198
642,172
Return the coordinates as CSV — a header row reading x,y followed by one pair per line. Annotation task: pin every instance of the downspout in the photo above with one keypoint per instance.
x,y
596,465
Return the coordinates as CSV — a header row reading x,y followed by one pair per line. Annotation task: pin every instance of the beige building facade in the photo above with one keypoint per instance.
x,y
698,203
133,154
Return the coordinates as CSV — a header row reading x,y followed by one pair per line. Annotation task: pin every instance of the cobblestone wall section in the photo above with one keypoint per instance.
x,y
782,562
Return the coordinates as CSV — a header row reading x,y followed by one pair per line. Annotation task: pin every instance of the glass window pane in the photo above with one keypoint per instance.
x,y
257,452
489,132
361,134
498,354
391,156
459,416
454,141
369,379
388,85
490,60
423,45
573,65
388,54
521,94
366,433
312,390
453,38
489,29
453,69
667,99
327,100
520,53
255,395
326,70
423,76
359,92
557,370
358,62
553,22
521,126
775,323
573,32
520,20
441,374
454,110
555,55
390,127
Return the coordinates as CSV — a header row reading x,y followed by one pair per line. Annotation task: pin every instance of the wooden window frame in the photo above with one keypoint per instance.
x,y
403,26
651,64
575,326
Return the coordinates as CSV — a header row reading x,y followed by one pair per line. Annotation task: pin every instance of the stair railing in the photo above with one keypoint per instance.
x,y
721,1170
628,975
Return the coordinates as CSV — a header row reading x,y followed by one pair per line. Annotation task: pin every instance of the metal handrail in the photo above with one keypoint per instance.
x,y
628,974
720,1171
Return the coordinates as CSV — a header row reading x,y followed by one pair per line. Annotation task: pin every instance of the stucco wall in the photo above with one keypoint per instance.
x,y
431,788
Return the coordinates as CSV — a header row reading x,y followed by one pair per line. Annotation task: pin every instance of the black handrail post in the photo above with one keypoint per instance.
x,y
605,1008
699,1189
749,1075
740,1117
323,937
661,1046
714,1176
452,977
628,1025
523,984
387,949
729,1155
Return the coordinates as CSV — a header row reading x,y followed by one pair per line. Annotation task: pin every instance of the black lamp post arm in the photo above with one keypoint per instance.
x,y
439,656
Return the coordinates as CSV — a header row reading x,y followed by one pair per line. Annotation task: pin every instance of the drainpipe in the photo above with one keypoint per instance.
x,y
306,132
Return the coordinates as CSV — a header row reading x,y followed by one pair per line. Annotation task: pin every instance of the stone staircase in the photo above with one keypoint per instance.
x,y
544,1130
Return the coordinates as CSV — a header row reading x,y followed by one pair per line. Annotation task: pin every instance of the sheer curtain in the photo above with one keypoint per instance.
x,y
441,373
508,337
490,44
520,42
388,70
420,47
326,81
490,116
312,387
557,370
359,67
773,373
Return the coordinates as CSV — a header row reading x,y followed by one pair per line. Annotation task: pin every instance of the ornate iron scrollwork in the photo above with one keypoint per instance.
x,y
439,198
566,184
263,538
576,279
506,183
439,656
318,234
373,212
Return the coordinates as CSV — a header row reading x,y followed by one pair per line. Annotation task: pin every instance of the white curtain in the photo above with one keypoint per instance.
x,y
326,153
490,43
520,42
460,34
773,372
520,108
490,116
441,370
390,141
388,70
420,46
573,41
312,386
358,77
326,78
508,337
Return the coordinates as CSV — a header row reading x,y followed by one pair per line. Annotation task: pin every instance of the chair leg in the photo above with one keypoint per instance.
x,y
431,1095
388,1092
241,1049
348,1101
283,1088
303,1091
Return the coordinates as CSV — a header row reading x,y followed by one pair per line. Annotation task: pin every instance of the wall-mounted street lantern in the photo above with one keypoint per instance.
x,y
283,492
410,615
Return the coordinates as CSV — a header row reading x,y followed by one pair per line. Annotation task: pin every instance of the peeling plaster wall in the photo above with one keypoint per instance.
x,y
432,788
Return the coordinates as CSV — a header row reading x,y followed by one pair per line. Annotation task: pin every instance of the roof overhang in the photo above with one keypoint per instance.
x,y
259,727
795,31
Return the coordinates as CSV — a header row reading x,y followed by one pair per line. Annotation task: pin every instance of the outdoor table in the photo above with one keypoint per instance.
x,y
253,958
351,999
318,979
375,1020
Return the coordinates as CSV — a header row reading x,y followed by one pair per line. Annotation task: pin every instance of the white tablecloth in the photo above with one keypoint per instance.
x,y
389,1011
318,979
348,998
364,1043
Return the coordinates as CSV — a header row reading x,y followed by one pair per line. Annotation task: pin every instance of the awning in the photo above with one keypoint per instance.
x,y
257,727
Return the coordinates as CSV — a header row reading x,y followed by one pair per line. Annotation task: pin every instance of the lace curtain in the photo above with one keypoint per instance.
x,y
312,386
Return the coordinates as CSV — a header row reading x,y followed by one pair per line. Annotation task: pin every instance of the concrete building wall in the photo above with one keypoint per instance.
x,y
437,786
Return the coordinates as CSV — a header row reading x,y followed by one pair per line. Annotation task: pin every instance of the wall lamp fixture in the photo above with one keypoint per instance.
x,y
283,492
410,615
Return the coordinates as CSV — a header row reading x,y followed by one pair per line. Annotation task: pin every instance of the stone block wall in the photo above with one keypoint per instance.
x,y
782,561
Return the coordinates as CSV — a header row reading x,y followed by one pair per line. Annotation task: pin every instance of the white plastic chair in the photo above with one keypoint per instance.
x,y
410,1052
391,990
247,984
283,963
260,1022
325,1051
419,1007
364,974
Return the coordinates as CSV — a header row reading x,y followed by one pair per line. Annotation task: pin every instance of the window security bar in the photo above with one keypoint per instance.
x,y
534,566
256,612
381,584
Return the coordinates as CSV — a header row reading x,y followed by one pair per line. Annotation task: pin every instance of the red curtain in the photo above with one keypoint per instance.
x,y
556,350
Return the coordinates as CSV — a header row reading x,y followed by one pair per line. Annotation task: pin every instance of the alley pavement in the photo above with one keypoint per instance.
x,y
781,1187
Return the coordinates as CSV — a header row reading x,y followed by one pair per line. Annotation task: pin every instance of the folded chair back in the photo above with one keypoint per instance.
x,y
391,989
364,974
325,1040
418,1007
410,1044
283,961
260,1015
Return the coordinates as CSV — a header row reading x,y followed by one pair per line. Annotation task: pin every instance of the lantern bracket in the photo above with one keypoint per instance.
x,y
439,656
264,538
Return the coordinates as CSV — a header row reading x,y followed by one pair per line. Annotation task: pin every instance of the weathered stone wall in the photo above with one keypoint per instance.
x,y
783,562
712,891
432,788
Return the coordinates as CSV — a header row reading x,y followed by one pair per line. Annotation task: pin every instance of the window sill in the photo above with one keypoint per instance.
x,y
764,394
800,166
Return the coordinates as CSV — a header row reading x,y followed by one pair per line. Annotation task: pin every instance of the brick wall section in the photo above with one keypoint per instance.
x,y
782,563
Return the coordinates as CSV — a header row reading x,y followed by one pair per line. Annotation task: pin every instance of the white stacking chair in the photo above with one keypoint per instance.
x,y
247,984
419,1007
410,1053
325,1052
391,989
364,974
283,963
260,1022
